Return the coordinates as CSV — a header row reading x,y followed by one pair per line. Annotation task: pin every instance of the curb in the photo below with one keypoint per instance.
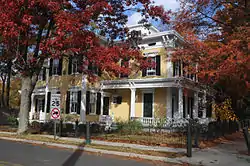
x,y
125,154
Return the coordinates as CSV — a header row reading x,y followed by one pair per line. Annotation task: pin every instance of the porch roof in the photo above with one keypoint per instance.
x,y
150,83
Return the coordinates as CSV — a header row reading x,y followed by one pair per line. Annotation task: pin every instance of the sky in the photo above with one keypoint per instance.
x,y
168,4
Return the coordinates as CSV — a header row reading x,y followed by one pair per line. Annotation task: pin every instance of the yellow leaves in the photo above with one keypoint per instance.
x,y
224,111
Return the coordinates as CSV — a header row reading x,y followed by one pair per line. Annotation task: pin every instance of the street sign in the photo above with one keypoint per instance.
x,y
55,106
55,113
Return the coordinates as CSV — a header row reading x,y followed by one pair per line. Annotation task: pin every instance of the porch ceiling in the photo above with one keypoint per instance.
x,y
150,83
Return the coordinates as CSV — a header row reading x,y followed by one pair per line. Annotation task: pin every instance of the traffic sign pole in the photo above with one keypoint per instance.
x,y
54,129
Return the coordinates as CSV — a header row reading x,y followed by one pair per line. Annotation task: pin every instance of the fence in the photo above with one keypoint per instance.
x,y
168,132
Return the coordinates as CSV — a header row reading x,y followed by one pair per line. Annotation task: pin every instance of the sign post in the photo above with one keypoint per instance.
x,y
55,113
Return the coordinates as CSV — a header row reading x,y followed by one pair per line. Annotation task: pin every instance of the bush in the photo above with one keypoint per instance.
x,y
35,128
129,127
12,121
47,127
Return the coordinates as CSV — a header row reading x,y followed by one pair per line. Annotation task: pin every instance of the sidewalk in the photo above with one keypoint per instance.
x,y
227,154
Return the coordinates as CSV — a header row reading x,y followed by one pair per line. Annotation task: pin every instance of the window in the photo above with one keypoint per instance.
x,y
42,74
151,44
124,64
151,71
176,68
75,65
92,102
55,67
155,70
40,102
93,69
73,102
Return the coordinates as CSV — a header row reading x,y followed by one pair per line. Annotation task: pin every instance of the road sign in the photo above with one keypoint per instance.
x,y
55,114
55,106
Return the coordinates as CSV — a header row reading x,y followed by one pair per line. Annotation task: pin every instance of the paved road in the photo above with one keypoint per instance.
x,y
20,154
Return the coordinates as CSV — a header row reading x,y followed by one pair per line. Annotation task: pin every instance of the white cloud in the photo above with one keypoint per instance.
x,y
168,4
134,18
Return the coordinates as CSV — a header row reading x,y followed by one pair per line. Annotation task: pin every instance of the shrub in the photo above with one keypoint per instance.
x,y
48,127
34,128
12,121
129,127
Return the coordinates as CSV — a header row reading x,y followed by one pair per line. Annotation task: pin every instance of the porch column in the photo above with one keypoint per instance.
x,y
186,105
102,103
204,104
83,99
32,110
169,66
169,102
180,103
132,102
195,109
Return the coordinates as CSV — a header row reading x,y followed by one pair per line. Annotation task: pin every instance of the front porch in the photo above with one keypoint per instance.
x,y
153,100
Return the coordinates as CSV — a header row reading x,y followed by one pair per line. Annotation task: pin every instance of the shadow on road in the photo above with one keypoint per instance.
x,y
72,159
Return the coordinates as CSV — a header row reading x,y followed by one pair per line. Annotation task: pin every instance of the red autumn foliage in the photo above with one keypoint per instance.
x,y
33,30
217,35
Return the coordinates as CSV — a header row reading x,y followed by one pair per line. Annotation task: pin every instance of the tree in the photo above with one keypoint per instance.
x,y
33,30
217,38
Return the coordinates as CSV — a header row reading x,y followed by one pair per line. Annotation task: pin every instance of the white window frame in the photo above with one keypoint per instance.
x,y
73,102
55,67
40,105
151,69
74,69
40,76
176,69
92,103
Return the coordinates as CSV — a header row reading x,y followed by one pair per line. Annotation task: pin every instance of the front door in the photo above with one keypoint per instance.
x,y
105,105
148,105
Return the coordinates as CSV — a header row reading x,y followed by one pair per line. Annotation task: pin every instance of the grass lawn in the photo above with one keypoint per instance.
x,y
159,139
103,147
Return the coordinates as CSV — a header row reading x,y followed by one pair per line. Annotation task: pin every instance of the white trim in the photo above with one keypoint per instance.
x,y
153,101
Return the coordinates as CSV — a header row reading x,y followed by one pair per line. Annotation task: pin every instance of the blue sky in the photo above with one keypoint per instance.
x,y
168,4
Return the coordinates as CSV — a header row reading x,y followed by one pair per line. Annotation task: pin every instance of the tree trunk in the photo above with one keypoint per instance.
x,y
3,91
25,105
8,84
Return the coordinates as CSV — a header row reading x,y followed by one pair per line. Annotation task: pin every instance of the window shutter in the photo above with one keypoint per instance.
x,y
36,105
67,102
144,71
48,102
60,66
158,65
98,104
179,74
99,72
79,98
50,67
80,63
174,70
124,65
70,65
43,104
87,102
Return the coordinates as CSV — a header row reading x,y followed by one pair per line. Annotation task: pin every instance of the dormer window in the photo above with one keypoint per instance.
x,y
151,44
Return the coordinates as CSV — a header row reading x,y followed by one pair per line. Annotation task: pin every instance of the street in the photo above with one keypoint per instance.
x,y
21,154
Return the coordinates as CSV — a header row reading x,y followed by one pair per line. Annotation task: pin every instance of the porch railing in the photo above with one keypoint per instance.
x,y
168,122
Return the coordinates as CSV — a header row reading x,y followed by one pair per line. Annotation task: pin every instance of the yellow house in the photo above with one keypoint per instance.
x,y
163,91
